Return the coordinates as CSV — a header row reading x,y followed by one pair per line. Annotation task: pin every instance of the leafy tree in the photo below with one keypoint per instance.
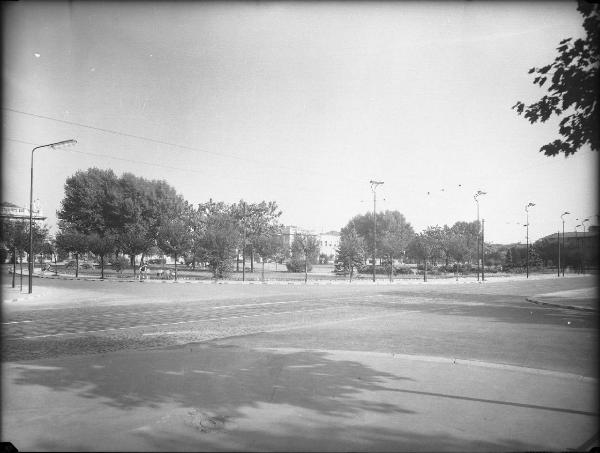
x,y
134,239
217,239
255,220
463,241
101,246
91,202
137,207
269,245
425,246
70,240
350,253
393,232
573,81
15,239
175,235
547,250
396,234
305,250
91,207
508,259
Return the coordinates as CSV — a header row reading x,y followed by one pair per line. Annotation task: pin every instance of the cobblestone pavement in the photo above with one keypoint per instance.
x,y
488,322
64,331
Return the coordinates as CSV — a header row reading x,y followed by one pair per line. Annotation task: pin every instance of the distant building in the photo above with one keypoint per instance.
x,y
13,212
328,242
290,231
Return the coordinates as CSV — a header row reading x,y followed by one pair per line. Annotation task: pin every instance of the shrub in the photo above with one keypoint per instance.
x,y
120,263
368,269
297,265
221,268
403,270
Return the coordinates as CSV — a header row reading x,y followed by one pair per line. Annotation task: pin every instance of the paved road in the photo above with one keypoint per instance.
x,y
407,367
490,321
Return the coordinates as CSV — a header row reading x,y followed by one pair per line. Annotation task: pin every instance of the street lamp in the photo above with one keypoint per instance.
x,y
583,245
577,246
562,217
479,192
374,185
527,206
53,146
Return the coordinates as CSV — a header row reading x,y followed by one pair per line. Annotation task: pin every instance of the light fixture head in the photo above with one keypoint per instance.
x,y
70,142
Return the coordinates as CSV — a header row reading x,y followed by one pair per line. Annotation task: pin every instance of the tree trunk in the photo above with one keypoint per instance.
x,y
391,268
132,262
102,267
305,270
237,261
251,259
14,266
425,274
76,265
55,264
21,265
175,267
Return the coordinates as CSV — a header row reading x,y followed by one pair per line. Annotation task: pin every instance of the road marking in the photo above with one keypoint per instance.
x,y
15,322
170,323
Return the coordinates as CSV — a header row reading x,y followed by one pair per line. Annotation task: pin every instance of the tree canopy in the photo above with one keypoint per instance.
x,y
572,87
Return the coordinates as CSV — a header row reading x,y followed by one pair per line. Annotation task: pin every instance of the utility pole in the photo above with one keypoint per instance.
x,y
374,185
479,192
558,242
583,245
527,225
482,252
578,259
563,242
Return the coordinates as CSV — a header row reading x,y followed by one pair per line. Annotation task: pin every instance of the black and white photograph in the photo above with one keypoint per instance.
x,y
343,226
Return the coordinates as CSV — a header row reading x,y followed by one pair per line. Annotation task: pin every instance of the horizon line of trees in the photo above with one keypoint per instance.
x,y
130,216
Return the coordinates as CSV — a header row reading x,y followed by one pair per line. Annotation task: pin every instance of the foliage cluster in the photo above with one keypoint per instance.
x,y
130,216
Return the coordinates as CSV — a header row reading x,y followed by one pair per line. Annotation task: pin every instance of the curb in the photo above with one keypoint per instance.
x,y
549,304
455,361
286,282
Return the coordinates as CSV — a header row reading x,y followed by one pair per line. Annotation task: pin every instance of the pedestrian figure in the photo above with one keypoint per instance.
x,y
143,271
160,273
169,274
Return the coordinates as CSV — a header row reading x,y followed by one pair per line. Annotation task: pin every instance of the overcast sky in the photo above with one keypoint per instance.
x,y
301,103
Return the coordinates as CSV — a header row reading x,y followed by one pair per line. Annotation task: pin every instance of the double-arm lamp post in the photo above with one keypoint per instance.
x,y
475,197
374,185
527,206
560,265
53,146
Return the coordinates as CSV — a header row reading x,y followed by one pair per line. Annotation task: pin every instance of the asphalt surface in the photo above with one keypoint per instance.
x,y
491,321
442,366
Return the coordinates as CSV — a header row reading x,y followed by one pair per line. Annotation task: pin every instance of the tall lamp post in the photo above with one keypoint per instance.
x,y
560,265
479,192
374,185
53,146
583,245
527,206
577,247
